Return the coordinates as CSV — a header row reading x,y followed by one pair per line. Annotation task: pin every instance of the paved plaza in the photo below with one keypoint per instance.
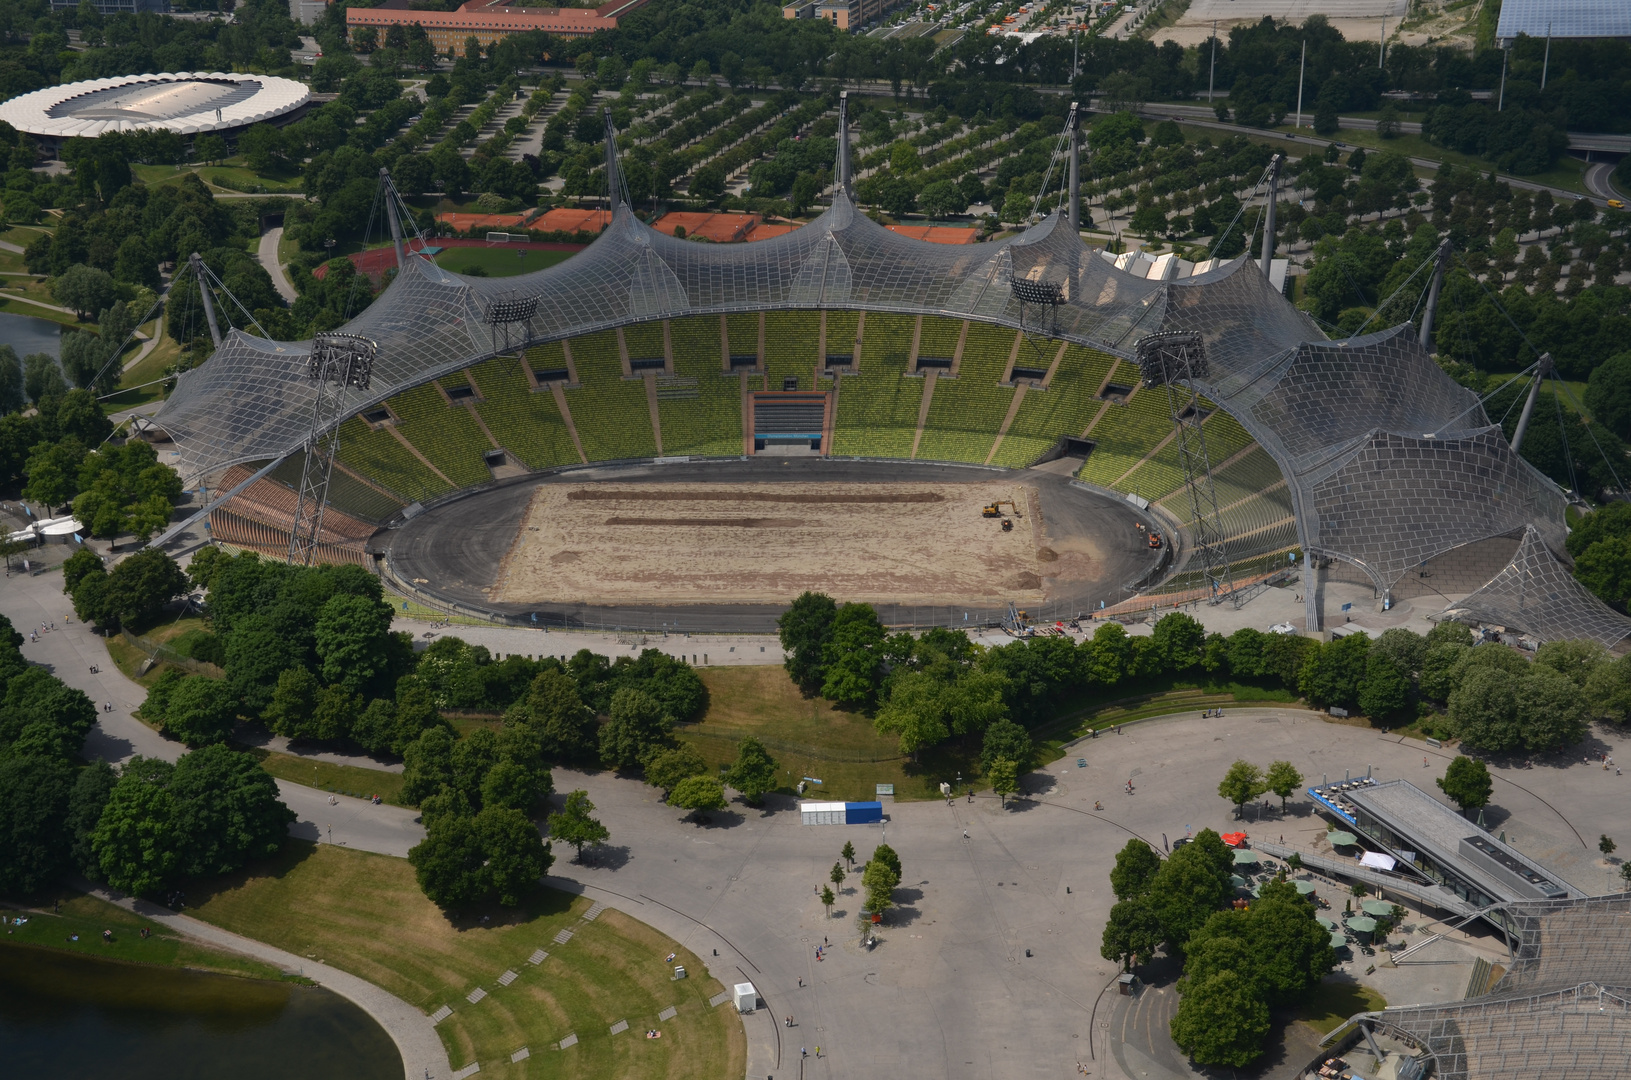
x,y
950,990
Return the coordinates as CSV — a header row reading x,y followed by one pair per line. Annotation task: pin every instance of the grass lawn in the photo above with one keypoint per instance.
x,y
1577,388
365,914
240,178
498,261
811,738
806,735
326,776
22,235
87,916
1332,1003
150,370
11,263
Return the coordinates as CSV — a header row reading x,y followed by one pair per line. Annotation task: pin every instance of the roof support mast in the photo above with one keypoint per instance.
x,y
204,291
615,195
1274,195
1432,296
843,142
1075,168
1542,369
389,191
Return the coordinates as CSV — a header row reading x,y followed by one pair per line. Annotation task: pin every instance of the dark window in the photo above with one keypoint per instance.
x,y
1030,373
648,363
551,375
378,416
744,360
461,393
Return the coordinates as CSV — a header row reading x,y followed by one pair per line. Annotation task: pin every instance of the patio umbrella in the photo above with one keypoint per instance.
x,y
1237,881
1329,924
1304,887
1339,838
1376,907
1246,858
1337,940
1362,924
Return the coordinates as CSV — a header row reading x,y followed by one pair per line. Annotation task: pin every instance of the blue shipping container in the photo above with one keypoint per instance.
x,y
862,813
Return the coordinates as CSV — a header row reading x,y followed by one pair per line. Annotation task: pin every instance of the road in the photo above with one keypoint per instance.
x,y
267,254
1192,115
1600,182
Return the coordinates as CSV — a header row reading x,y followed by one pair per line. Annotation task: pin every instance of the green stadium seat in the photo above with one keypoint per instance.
x,y
701,408
878,406
526,422
1066,407
378,455
610,412
966,413
447,435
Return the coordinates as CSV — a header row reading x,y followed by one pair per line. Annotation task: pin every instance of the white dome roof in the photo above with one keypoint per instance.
x,y
188,103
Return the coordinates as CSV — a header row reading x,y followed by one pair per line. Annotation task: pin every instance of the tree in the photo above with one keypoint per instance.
x,y
1004,775
34,842
805,628
853,656
1221,1021
352,636
516,856
1241,784
42,378
228,811
666,769
92,788
1385,691
259,657
1467,783
1605,845
565,725
210,148
836,875
200,711
1608,395
1282,779
1005,739
1192,883
942,198
448,862
85,289
827,899
879,879
11,381
638,726
137,842
1333,673
81,353
698,794
575,824
849,854
1136,866
754,772
1132,933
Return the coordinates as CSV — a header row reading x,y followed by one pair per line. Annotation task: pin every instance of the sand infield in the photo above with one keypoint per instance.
x,y
903,543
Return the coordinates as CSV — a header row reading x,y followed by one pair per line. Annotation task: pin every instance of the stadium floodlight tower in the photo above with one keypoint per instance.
x,y
1176,360
338,362
1038,293
504,314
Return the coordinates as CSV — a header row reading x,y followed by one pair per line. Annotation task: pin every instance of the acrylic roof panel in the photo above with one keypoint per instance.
x,y
1564,19
1388,461
1537,594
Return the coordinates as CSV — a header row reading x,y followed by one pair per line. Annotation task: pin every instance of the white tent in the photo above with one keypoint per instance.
x,y
1377,860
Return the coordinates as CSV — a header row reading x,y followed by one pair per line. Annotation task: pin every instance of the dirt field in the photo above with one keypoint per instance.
x,y
913,543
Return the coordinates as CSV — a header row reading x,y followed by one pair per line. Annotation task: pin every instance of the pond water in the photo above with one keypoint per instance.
x,y
69,1017
30,335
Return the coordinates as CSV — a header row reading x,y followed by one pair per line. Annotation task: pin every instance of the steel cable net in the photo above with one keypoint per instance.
x,y
1563,1008
1388,462
1536,594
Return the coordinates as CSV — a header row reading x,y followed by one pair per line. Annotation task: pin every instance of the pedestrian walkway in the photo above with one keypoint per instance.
x,y
413,1032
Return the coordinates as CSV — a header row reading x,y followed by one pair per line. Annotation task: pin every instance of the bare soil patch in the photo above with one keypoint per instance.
x,y
911,543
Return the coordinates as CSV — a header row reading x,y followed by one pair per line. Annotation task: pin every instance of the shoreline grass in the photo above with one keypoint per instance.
x,y
330,905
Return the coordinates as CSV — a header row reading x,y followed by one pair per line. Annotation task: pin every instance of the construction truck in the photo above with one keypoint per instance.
x,y
1155,540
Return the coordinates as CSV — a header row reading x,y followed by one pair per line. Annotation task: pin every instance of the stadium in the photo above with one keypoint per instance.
x,y
658,430
188,103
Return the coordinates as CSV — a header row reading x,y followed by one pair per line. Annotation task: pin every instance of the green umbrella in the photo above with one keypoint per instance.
x,y
1257,890
1339,838
1246,858
1237,881
1304,887
1337,940
1362,924
1329,924
1376,907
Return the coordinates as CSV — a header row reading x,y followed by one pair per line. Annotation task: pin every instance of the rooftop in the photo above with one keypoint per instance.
x,y
1438,832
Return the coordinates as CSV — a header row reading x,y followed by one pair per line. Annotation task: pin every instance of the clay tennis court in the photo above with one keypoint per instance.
x,y
912,543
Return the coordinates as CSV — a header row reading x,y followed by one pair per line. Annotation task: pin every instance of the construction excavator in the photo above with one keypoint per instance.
x,y
995,509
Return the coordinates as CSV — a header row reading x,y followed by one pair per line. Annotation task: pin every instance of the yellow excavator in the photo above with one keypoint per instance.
x,y
995,509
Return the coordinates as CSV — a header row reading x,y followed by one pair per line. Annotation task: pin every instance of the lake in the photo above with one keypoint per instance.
x,y
69,1017
30,335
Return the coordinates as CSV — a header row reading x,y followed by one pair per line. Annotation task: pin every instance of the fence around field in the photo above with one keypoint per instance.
x,y
157,650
